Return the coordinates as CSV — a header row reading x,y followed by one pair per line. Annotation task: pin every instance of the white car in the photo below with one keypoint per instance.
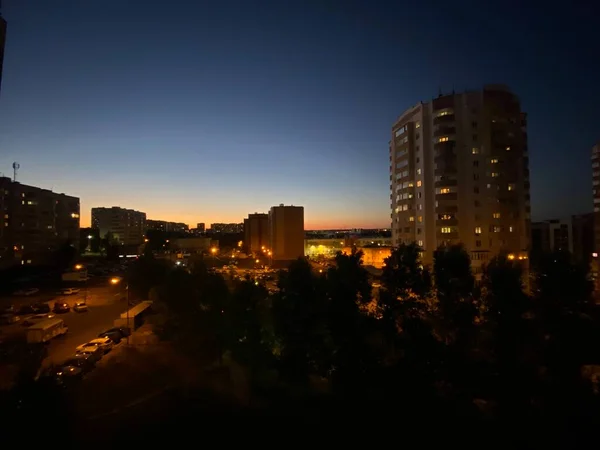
x,y
103,343
69,291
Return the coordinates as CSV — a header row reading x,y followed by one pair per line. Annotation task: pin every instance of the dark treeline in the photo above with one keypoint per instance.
x,y
431,348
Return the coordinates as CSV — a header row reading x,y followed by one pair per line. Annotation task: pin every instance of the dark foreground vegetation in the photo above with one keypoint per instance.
x,y
431,356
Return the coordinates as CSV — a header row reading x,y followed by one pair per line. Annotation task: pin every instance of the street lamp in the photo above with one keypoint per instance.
x,y
115,281
213,250
78,267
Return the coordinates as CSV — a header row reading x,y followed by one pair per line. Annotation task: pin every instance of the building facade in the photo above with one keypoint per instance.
x,y
459,173
229,228
574,234
126,226
286,232
35,222
256,232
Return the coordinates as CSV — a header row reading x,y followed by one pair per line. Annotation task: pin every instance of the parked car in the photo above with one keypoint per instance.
x,y
113,335
41,308
26,309
80,307
94,353
8,309
67,374
36,318
123,331
27,292
69,291
85,362
103,343
61,307
9,319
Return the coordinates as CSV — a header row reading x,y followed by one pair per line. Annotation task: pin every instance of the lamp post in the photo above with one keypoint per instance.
x,y
116,281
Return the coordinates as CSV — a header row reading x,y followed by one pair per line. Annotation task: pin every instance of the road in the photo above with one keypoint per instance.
x,y
105,303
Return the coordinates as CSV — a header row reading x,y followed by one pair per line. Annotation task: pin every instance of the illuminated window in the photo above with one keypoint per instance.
x,y
417,124
511,186
75,215
497,229
420,243
420,219
494,174
397,209
443,139
419,183
411,219
494,161
477,230
475,151
6,216
446,230
418,171
444,190
420,207
445,217
510,229
496,215
404,207
411,184
444,113
508,148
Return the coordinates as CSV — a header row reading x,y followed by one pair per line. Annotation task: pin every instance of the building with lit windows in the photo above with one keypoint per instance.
x,y
35,222
256,232
286,233
127,227
459,174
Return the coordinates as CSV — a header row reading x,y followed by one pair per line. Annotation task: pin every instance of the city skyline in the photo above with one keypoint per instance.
x,y
230,110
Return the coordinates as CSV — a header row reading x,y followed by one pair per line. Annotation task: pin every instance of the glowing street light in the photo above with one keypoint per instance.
x,y
213,250
115,280
257,261
78,267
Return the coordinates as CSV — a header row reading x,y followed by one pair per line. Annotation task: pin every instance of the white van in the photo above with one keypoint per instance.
x,y
45,330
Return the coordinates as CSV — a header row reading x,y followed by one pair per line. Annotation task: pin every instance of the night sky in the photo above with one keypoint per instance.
x,y
199,111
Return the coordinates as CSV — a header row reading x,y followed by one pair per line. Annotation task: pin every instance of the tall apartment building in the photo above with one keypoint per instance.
x,y
574,234
459,174
596,194
286,232
163,225
256,232
35,222
200,227
126,226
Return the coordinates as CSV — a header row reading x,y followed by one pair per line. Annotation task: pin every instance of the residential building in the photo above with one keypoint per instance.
x,y
200,228
163,225
35,222
286,232
574,234
126,226
459,174
256,232
226,228
596,194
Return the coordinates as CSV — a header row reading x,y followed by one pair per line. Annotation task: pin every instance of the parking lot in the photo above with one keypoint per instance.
x,y
105,303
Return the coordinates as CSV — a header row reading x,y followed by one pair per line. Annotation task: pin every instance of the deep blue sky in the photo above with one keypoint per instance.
x,y
201,111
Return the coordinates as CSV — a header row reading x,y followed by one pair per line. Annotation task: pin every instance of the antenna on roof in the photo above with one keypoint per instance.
x,y
15,167
440,92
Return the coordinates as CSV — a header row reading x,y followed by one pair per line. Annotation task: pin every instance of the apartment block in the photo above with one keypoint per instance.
x,y
163,225
574,234
286,232
229,228
459,173
256,232
35,222
126,226
596,194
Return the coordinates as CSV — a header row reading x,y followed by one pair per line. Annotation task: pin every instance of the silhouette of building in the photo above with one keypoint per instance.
x,y
229,228
256,232
200,228
163,225
126,226
35,222
459,174
286,233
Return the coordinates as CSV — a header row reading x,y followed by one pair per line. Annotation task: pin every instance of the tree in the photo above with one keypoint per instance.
x,y
349,289
454,283
299,310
